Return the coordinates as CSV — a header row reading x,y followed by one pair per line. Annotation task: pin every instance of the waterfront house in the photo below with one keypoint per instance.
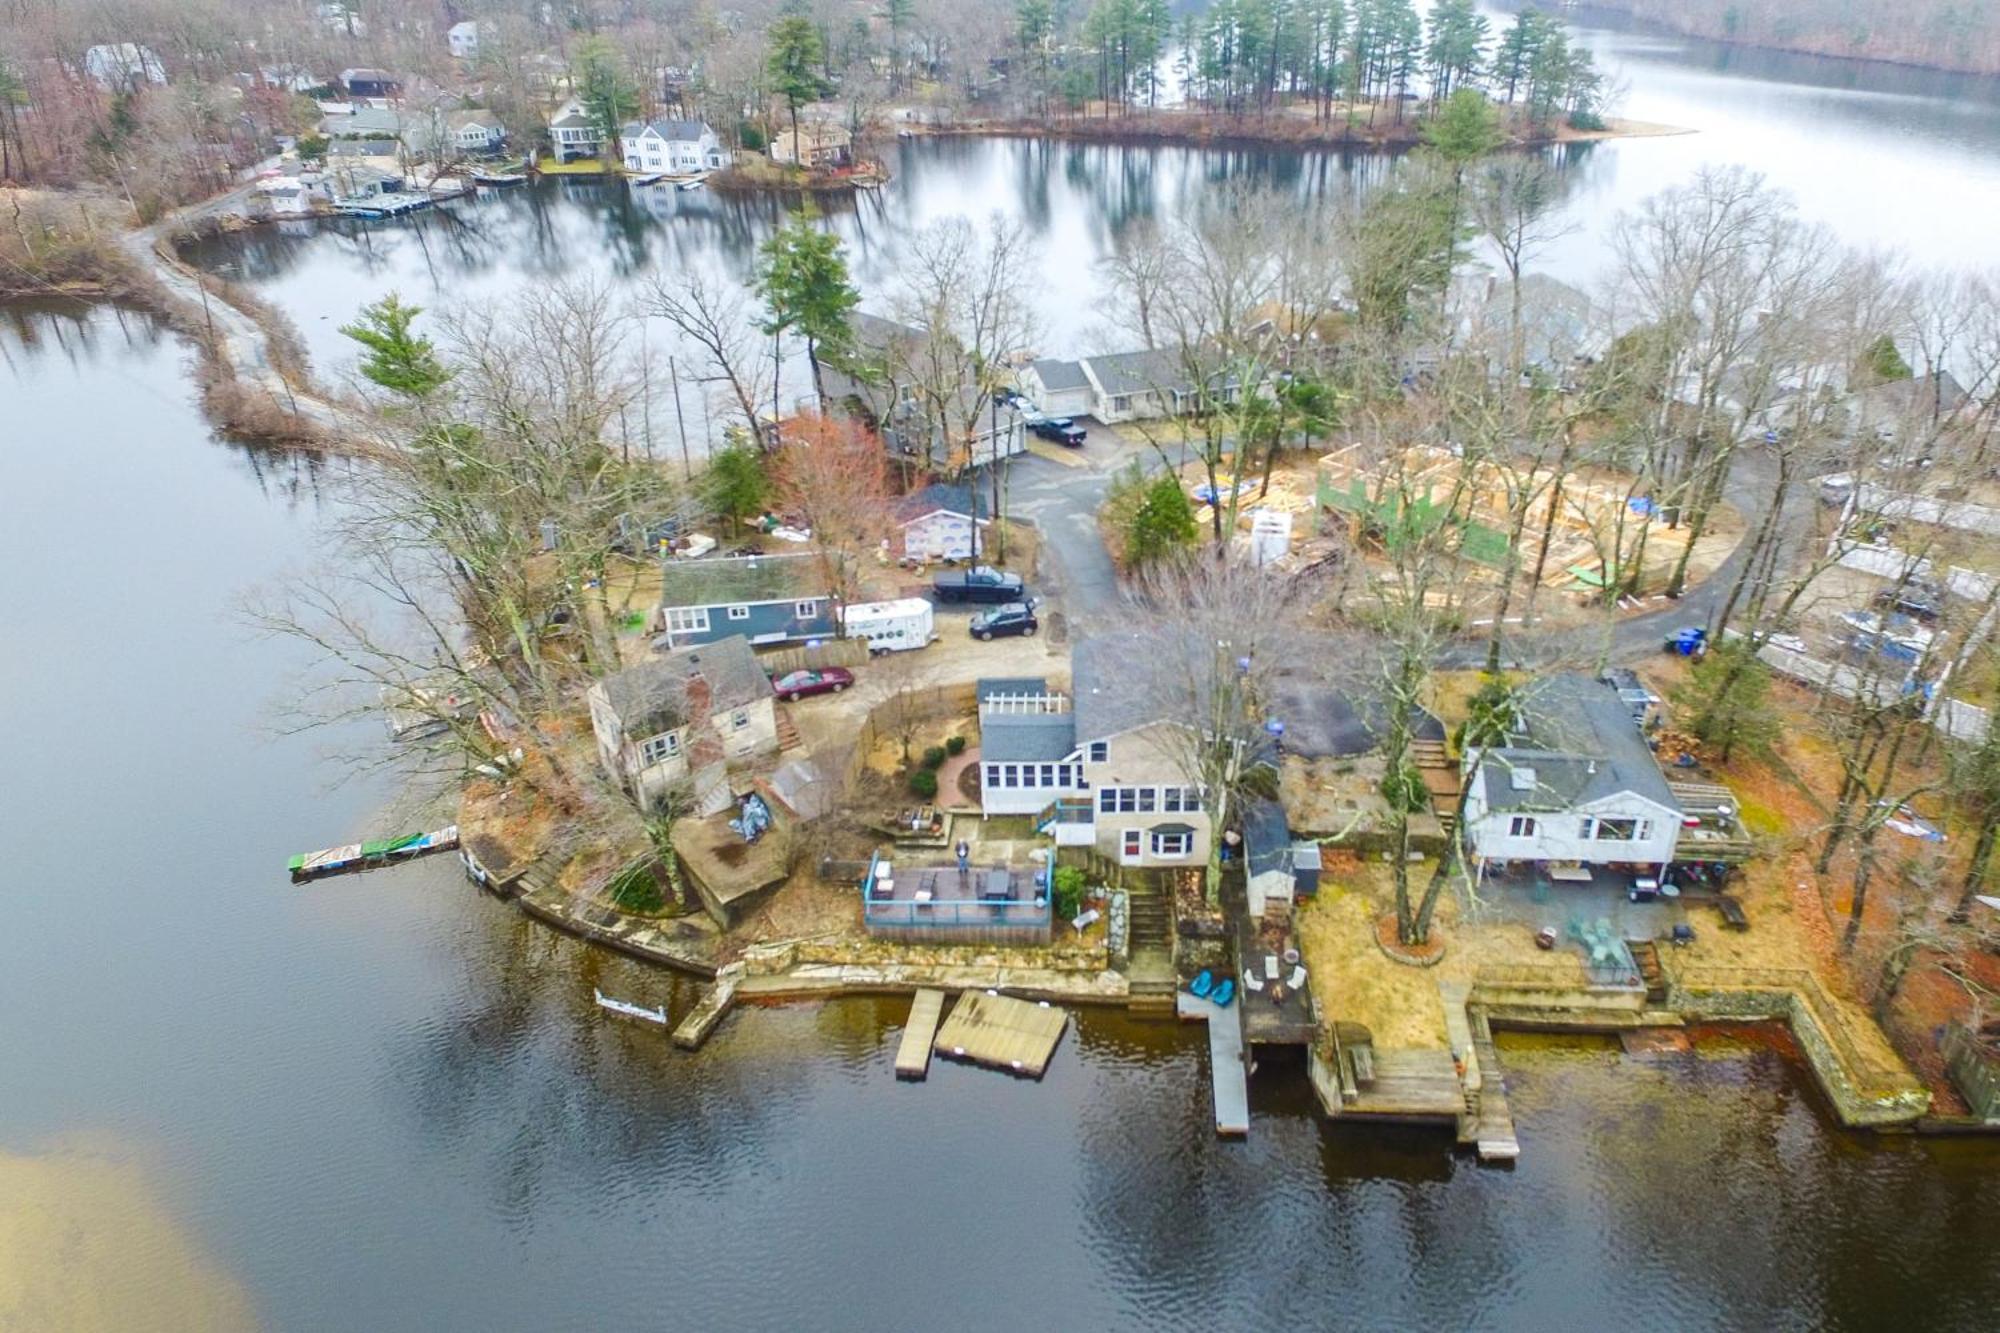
x,y
1120,386
942,904
681,718
936,523
463,39
573,135
819,145
476,131
1099,768
764,598
675,147
883,380
1578,786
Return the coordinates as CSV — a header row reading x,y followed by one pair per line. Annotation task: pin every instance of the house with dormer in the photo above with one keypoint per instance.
x,y
675,147
1576,786
573,134
679,720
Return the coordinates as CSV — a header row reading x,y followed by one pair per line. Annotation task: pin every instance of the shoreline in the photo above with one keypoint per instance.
x,y
1664,23
1202,130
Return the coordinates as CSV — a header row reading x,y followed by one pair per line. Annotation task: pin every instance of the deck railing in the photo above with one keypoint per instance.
x,y
950,913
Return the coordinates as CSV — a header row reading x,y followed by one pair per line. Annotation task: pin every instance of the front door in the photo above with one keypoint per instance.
x,y
1129,851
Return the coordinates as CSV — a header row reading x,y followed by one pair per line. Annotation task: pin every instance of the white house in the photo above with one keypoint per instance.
x,y
676,147
123,66
476,131
1578,787
1058,388
572,132
683,717
463,39
1099,768
937,523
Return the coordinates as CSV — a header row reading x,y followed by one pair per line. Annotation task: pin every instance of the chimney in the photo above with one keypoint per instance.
x,y
700,697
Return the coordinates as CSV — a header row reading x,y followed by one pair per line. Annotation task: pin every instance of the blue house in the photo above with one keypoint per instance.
x,y
765,598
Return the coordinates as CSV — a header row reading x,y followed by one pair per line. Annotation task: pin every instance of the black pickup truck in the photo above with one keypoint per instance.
x,y
981,583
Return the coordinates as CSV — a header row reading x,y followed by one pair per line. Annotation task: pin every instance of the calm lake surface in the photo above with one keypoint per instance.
x,y
387,1102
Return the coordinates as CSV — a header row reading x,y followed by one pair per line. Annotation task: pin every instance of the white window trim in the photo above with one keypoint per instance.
x,y
806,610
739,613
1126,837
687,620
1182,844
1521,826
658,749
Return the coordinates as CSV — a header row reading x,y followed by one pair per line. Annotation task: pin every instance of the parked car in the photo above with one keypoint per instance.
x,y
1013,618
1919,599
981,583
796,685
1060,429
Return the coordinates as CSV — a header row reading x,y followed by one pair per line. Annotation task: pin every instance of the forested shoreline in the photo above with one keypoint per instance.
x,y
1934,34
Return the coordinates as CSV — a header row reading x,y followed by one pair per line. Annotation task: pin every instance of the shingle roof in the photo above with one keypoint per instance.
x,y
730,580
1324,722
674,131
652,696
1137,372
1059,376
1581,745
1267,839
1033,737
938,495
1103,709
988,686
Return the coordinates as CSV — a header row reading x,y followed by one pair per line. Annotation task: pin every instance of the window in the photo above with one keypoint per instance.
x,y
1147,796
739,613
739,719
1645,830
658,749
1107,800
1121,402
993,775
1170,800
1048,775
1172,844
1100,751
1617,830
687,620
805,610
1129,845
1126,799
1011,775
1027,775
1521,826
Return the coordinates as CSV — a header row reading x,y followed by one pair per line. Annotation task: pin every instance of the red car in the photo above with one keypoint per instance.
x,y
796,685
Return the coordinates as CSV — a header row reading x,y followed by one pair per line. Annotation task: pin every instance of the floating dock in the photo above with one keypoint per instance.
x,y
1226,1070
1000,1032
913,1055
368,855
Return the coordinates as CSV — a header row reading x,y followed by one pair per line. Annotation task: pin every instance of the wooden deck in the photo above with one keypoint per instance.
x,y
913,1056
1227,1073
1410,1085
1000,1032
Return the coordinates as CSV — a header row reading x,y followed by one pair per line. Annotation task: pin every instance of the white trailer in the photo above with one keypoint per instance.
x,y
890,627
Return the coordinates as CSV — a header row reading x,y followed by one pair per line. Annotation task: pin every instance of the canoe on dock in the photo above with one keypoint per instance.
x,y
367,855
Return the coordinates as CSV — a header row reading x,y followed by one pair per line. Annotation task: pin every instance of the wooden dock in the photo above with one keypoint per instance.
x,y
708,1011
1227,1074
1485,1123
913,1056
1000,1032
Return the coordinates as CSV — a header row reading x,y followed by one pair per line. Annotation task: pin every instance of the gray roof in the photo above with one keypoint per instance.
x,y
989,686
1034,737
677,131
732,580
1582,746
652,696
1058,376
938,495
1324,722
477,115
1267,839
1138,372
1104,709
573,121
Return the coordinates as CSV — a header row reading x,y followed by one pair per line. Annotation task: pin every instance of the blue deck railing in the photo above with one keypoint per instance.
x,y
953,913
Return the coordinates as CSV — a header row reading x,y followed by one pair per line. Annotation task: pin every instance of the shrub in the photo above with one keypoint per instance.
x,y
637,891
934,756
924,783
1163,523
750,137
1068,891
954,745
1583,119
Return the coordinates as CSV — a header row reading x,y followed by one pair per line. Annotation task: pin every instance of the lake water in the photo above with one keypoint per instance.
x,y
386,1101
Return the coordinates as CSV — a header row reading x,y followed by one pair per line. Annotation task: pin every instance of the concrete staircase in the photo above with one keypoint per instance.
x,y
788,731
1150,974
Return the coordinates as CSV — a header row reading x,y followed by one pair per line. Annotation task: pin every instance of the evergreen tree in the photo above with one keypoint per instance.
x,y
734,485
802,276
793,64
608,96
400,361
1162,524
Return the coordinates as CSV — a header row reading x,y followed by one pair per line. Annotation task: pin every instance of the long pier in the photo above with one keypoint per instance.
x,y
1227,1073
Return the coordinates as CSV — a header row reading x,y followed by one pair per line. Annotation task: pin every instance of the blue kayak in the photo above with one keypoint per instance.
x,y
1201,985
1224,993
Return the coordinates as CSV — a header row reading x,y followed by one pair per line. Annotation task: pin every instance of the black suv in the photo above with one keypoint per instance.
x,y
1013,618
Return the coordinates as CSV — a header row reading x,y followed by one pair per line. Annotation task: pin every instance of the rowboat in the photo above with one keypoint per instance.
x,y
367,855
